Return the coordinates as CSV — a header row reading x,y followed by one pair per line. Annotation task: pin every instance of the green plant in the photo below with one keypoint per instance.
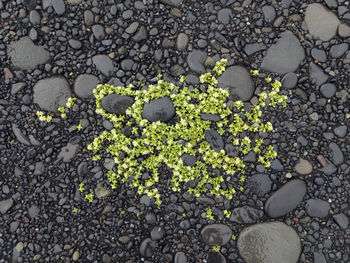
x,y
209,214
216,248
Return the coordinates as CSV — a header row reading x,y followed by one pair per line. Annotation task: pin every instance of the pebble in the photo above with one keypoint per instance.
x,y
317,75
147,247
337,51
342,220
98,31
175,3
76,255
157,233
214,139
180,257
104,64
182,41
341,131
59,7
328,90
68,152
75,44
317,208
246,215
195,60
161,109
290,80
269,13
224,15
216,234
5,205
303,167
84,85
259,184
344,30
115,103
34,17
319,54
337,154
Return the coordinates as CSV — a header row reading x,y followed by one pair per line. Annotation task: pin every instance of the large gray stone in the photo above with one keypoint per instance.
x,y
51,93
321,22
269,243
196,59
246,215
104,64
25,55
161,109
285,56
237,81
214,139
259,184
317,76
84,85
285,199
317,208
216,234
59,6
117,104
5,205
147,247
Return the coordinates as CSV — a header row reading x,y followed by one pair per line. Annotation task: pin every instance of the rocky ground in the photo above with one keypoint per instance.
x,y
295,211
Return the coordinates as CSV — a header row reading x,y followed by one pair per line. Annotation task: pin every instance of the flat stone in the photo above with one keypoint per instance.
x,y
285,199
250,49
328,90
115,103
259,184
68,152
214,139
19,135
344,30
161,109
180,257
317,75
341,131
237,81
59,6
317,208
51,93
25,55
157,233
196,59
75,44
284,56
147,247
342,220
84,85
337,51
246,215
273,242
182,41
131,29
216,234
321,22
337,154
224,16
290,80
319,54
175,3
5,205
34,17
269,13
98,31
303,167
104,64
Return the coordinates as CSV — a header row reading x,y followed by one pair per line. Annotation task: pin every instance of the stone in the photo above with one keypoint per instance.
x,y
237,81
20,136
224,16
284,56
337,154
59,6
290,80
246,215
115,103
285,199
161,109
140,35
317,75
34,17
75,44
182,41
317,208
157,233
341,131
104,64
269,13
210,117
88,17
74,2
303,167
319,258
321,22
131,29
344,30
215,257
328,90
216,234
33,211
273,242
127,64
174,3
189,160
101,191
214,139
342,220
250,49
5,205
259,184
180,257
337,51
319,54
147,247
98,31
68,152
196,59
25,55
50,93
75,255
84,85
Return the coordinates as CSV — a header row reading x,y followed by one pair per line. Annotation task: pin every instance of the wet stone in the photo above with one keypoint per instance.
x,y
328,90
317,208
216,234
159,110
214,139
285,199
259,184
269,243
115,103
290,80
246,215
84,85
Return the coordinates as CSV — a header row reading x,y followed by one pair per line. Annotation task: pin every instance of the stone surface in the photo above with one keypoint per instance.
x,y
317,75
321,22
147,247
250,49
216,234
290,80
157,233
237,81
214,139
51,93
337,51
5,205
259,184
317,208
180,257
68,152
182,41
161,109
344,30
59,6
246,215
84,85
102,191
269,13
25,55
196,59
19,135
284,56
342,220
337,154
303,167
104,64
269,243
224,15
328,90
115,103
285,199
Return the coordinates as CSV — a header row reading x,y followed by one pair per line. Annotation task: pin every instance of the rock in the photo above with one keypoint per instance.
x,y
74,2
102,191
157,233
127,64
214,139
341,131
180,257
174,3
303,167
337,51
342,220
224,16
68,152
269,13
210,117
237,81
344,30
115,103
216,234
337,154
20,136
259,184
75,255
25,55
189,160
317,75
51,93
246,215
290,80
104,64
75,44
272,242
319,54
84,85
17,87
319,258
33,211
321,22
88,17
161,109
317,208
98,31
5,205
147,247
284,56
329,168
195,60
250,49
34,17
59,6
140,35
285,199
181,41
131,29
328,90
215,257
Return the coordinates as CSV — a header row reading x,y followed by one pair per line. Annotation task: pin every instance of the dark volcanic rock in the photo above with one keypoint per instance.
x,y
214,139
259,184
246,215
161,109
117,104
216,234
